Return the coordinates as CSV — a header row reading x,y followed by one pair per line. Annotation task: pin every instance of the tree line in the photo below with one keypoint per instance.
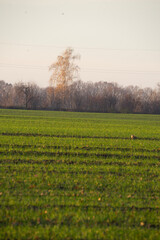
x,y
81,96
67,93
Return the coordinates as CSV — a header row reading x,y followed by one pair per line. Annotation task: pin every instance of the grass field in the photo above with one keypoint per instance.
x,y
79,175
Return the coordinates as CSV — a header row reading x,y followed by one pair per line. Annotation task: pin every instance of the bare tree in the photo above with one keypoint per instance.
x,y
6,94
26,95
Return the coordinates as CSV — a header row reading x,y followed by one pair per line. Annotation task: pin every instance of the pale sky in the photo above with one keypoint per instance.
x,y
118,40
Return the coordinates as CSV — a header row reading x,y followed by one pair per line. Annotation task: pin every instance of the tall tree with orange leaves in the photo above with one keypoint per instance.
x,y
64,71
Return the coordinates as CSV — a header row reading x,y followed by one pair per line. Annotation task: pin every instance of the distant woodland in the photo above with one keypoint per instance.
x,y
81,96
67,93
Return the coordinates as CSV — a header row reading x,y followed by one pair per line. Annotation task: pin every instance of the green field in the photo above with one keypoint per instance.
x,y
79,175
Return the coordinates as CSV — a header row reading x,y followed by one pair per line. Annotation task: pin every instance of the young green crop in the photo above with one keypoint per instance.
x,y
79,175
